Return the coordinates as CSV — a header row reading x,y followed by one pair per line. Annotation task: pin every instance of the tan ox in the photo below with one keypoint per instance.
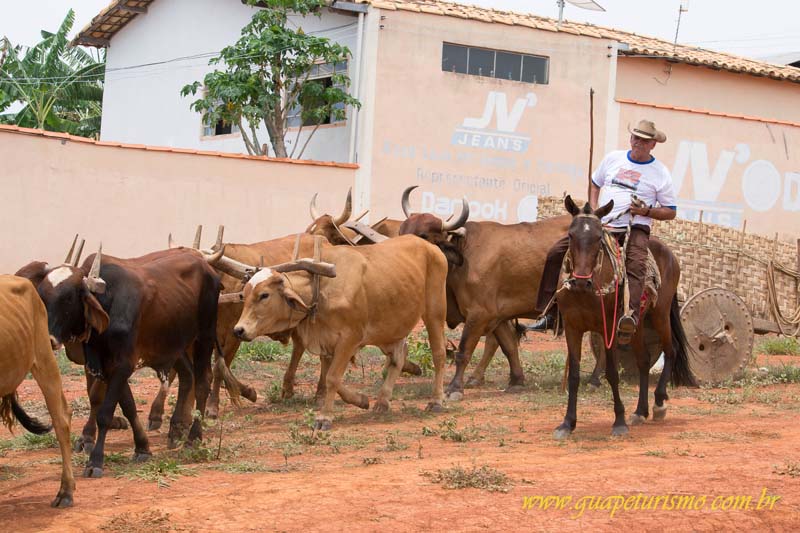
x,y
25,346
379,294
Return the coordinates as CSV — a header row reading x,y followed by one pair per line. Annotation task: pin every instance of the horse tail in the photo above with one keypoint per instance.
x,y
9,405
681,372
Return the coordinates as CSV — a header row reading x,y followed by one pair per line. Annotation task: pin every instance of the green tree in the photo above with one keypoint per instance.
x,y
265,75
60,87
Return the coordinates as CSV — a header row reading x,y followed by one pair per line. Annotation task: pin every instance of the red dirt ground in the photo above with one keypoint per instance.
x,y
737,441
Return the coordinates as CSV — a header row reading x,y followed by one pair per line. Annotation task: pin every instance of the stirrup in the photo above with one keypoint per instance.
x,y
626,327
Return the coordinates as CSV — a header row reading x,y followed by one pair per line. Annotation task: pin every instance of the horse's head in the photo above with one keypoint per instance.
x,y
585,234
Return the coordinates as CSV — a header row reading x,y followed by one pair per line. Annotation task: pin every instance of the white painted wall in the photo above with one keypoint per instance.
x,y
143,105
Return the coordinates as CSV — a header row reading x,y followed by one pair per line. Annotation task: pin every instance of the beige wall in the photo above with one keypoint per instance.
x,y
660,82
130,198
420,111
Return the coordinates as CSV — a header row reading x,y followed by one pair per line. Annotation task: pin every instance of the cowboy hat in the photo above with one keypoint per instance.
x,y
646,129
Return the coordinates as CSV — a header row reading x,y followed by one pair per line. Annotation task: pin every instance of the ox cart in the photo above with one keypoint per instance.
x,y
734,285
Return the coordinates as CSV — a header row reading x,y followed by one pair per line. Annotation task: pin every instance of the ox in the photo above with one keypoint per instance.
x,y
494,275
158,310
25,346
379,294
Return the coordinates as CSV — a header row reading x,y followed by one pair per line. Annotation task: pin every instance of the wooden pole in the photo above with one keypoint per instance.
x,y
796,281
591,142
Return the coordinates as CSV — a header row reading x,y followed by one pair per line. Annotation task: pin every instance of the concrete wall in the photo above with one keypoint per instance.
x,y
132,198
144,105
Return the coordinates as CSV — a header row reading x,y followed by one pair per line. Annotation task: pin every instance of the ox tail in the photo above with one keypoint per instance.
x,y
230,381
520,330
11,409
681,373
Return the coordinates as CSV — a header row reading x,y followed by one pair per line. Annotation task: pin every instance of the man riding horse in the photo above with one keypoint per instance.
x,y
622,176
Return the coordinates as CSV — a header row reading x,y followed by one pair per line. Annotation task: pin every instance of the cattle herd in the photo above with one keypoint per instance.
x,y
336,287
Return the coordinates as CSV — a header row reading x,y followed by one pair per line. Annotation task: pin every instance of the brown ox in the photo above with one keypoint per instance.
x,y
494,276
158,310
25,346
379,294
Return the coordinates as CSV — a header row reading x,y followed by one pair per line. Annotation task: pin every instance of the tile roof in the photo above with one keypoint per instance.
x,y
120,12
67,137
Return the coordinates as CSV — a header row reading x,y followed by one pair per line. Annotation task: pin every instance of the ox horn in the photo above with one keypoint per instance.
x,y
309,265
94,282
68,259
213,258
170,242
78,255
197,235
461,220
348,209
229,266
312,207
404,201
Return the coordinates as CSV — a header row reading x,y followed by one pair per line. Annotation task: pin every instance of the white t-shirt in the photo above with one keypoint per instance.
x,y
618,177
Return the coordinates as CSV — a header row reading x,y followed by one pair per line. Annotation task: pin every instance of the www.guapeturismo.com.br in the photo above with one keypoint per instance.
x,y
578,506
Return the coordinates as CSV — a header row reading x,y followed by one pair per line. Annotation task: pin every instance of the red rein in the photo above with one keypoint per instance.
x,y
608,341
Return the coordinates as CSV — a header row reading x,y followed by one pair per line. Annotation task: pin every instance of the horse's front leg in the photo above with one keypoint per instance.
x,y
574,338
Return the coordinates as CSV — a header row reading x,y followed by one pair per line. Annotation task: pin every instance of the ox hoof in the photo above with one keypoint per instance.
x,y
434,407
381,406
250,393
287,394
474,381
363,402
659,413
620,431
322,424
93,471
637,420
514,389
412,369
154,425
83,445
62,501
141,457
118,423
455,396
562,432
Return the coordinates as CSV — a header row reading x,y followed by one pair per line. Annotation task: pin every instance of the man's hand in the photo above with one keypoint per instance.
x,y
641,211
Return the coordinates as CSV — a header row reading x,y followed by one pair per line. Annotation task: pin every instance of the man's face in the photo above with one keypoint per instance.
x,y
642,147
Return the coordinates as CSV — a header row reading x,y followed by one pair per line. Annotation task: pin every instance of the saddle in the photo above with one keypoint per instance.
x,y
652,280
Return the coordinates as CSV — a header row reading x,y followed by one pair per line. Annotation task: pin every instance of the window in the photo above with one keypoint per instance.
x,y
220,128
495,63
323,74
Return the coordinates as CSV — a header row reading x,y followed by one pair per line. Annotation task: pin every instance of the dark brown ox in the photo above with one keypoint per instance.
x,y
379,294
589,292
25,347
494,277
158,310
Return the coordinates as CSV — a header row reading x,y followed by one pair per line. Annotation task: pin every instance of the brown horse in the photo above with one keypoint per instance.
x,y
583,310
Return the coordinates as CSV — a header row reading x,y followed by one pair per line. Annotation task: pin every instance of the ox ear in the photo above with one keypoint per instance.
x,y
94,312
294,300
34,271
606,209
570,206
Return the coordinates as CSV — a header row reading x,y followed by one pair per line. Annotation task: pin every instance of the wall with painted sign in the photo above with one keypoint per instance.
x,y
501,143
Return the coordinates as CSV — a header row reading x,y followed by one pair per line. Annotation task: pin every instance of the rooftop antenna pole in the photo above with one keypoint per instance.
x,y
681,11
583,4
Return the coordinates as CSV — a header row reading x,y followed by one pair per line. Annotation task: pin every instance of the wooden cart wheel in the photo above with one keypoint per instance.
x,y
719,331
